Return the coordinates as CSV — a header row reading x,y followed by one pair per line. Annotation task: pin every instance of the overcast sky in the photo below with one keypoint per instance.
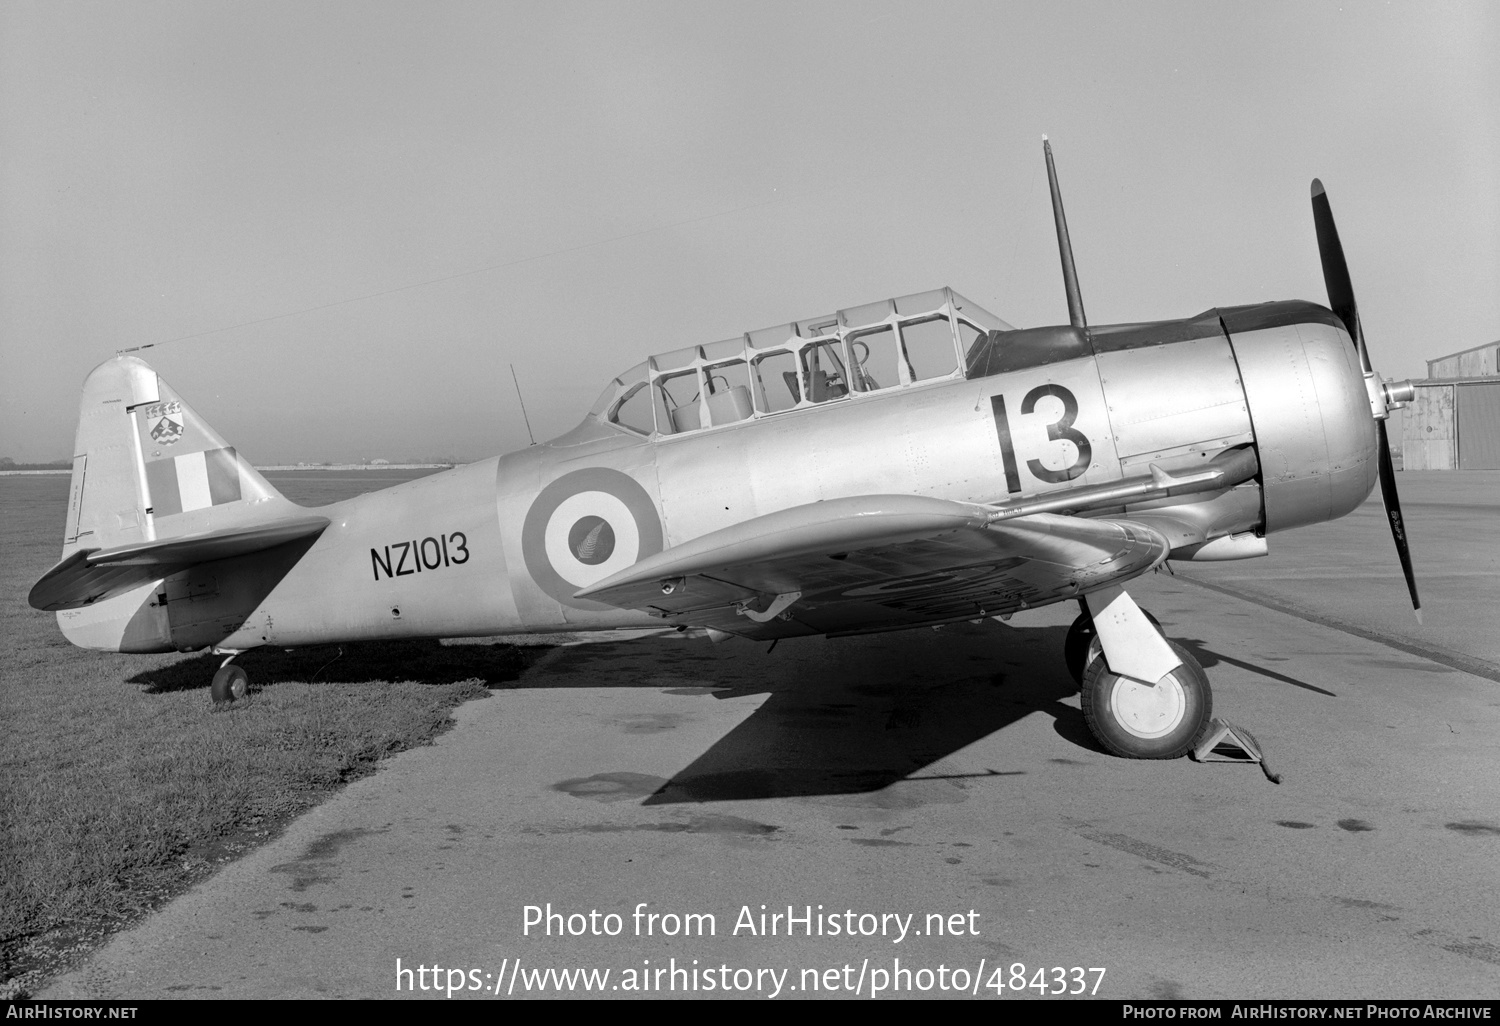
x,y
339,223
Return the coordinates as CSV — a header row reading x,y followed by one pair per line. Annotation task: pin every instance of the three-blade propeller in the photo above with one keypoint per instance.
x,y
1341,302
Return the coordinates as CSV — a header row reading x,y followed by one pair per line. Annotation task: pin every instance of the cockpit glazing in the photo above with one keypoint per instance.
x,y
857,352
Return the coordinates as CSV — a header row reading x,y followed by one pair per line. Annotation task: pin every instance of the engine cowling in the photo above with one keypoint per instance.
x,y
1314,432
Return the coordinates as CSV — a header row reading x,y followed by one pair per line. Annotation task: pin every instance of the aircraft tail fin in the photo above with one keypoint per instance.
x,y
155,489
149,468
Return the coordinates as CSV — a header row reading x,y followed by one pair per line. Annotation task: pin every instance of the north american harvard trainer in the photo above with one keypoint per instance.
x,y
910,462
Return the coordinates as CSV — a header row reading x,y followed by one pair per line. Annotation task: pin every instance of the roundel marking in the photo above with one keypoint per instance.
x,y
584,517
584,527
592,540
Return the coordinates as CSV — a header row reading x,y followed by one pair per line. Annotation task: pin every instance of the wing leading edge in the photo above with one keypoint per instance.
x,y
871,563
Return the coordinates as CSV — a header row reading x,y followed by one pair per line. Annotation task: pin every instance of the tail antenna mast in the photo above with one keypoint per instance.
x,y
1065,248
523,403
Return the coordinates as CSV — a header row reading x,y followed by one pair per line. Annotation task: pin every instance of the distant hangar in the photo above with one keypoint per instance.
x,y
1454,421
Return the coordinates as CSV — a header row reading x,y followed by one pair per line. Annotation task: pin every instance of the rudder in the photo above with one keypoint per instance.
x,y
148,468
155,492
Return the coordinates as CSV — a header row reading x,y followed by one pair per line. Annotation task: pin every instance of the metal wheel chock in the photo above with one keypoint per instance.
x,y
1225,742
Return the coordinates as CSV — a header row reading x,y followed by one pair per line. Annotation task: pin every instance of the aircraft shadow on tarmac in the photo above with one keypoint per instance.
x,y
854,715
1208,658
431,662
842,716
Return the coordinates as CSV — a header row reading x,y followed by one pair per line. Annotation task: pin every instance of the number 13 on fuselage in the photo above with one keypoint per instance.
x,y
1052,428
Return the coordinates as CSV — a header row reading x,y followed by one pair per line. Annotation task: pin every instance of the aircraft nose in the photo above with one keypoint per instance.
x,y
1310,413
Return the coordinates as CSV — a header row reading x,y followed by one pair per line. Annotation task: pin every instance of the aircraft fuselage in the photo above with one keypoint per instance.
x,y
503,545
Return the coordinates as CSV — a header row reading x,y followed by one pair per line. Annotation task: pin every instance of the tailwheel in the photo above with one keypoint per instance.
x,y
231,684
1140,721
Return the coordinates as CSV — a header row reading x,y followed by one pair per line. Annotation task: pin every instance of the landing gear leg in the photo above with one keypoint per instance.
x,y
231,683
1080,637
1143,697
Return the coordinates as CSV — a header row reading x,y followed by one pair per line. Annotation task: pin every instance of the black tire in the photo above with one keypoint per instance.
x,y
1076,646
1080,636
1137,722
231,684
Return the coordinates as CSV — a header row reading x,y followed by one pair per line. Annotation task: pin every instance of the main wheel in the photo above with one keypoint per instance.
x,y
1080,636
231,683
1138,721
1076,647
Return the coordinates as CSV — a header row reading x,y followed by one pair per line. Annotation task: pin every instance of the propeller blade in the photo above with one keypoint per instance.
x,y
1341,302
1336,271
1393,514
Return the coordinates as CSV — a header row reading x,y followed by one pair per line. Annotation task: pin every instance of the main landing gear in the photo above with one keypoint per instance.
x,y
1143,697
231,683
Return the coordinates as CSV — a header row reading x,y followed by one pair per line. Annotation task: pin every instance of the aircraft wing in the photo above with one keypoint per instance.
x,y
878,562
88,575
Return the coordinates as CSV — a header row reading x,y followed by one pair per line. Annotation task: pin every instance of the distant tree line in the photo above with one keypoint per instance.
x,y
6,463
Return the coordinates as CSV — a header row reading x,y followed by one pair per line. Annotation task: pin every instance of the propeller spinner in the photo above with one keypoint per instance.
x,y
1383,395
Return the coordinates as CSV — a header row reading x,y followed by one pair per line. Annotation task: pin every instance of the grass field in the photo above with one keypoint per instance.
x,y
121,786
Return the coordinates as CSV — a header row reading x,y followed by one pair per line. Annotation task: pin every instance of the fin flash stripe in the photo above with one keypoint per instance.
x,y
194,480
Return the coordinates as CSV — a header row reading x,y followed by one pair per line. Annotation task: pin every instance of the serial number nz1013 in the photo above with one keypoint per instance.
x,y
414,557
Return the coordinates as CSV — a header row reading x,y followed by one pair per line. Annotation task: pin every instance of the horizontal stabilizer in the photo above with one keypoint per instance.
x,y
87,575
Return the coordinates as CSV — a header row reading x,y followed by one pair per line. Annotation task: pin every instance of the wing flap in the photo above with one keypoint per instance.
x,y
88,575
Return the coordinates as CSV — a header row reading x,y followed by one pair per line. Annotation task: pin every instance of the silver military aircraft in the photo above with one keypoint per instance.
x,y
910,462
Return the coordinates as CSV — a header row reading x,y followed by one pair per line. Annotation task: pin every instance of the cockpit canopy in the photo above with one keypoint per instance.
x,y
864,350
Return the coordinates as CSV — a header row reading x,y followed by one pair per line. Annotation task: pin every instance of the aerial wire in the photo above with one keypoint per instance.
x,y
523,404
